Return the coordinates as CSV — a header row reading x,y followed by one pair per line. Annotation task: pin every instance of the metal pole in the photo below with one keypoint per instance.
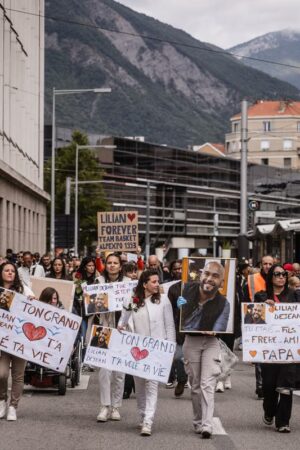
x,y
68,196
76,204
243,242
52,218
147,249
216,231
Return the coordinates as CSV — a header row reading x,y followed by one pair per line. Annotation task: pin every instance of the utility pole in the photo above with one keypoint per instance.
x,y
243,243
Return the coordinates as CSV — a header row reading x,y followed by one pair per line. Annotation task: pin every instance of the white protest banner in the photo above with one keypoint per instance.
x,y
64,288
102,298
118,231
271,334
142,356
37,332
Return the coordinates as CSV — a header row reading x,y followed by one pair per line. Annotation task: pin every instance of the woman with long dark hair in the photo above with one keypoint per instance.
x,y
111,383
58,269
151,315
9,279
279,380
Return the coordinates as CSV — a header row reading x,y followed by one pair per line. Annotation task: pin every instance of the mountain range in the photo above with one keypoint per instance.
x,y
166,85
282,47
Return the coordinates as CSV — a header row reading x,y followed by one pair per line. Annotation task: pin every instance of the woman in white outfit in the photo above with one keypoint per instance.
x,y
111,383
151,315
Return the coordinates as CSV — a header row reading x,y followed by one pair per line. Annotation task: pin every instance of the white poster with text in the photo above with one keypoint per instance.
x,y
37,332
142,356
271,334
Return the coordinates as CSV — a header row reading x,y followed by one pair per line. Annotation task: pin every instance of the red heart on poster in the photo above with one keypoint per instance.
x,y
298,351
33,333
253,353
139,354
131,217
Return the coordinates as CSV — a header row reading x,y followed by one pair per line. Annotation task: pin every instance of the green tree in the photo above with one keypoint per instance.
x,y
91,197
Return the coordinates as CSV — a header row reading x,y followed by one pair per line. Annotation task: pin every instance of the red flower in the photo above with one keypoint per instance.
x,y
78,276
135,300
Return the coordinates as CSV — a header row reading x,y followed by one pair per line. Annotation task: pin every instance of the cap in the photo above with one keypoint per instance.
x,y
288,267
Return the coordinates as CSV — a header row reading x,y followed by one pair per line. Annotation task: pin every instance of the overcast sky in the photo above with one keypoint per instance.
x,y
223,22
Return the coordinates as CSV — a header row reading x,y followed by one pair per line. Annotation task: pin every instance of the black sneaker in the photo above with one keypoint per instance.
x,y
284,429
205,434
268,420
179,389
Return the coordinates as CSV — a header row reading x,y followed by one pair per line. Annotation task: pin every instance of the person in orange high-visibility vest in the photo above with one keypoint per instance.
x,y
257,282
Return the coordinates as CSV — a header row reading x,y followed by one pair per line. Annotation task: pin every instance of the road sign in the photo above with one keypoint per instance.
x,y
265,214
253,205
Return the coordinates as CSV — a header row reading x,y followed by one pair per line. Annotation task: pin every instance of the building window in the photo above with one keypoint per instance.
x,y
287,144
265,161
267,126
287,162
235,127
298,127
264,145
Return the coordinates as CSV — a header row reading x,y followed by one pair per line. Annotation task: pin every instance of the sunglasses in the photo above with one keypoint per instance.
x,y
280,274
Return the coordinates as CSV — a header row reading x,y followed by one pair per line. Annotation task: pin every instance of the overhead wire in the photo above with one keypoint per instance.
x,y
153,38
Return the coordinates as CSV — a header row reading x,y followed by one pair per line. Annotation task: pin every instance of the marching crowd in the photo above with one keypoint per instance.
x,y
197,361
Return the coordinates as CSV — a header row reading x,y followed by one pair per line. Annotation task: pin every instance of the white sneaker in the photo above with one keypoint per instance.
x,y
227,383
103,414
220,386
115,415
146,429
2,409
11,414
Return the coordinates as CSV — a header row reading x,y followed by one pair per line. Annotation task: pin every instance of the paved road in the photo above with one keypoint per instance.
x,y
47,422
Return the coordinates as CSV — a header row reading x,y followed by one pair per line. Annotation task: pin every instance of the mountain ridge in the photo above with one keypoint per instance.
x,y
281,46
168,93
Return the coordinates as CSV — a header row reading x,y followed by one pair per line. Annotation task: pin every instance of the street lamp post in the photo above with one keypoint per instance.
x,y
79,147
54,93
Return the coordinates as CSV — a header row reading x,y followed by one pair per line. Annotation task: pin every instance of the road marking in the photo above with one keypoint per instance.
x,y
217,426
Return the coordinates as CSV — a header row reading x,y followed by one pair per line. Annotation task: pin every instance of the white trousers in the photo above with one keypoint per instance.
x,y
111,386
202,364
146,392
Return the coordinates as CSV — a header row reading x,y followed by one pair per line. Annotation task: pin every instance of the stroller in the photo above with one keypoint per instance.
x,y
42,377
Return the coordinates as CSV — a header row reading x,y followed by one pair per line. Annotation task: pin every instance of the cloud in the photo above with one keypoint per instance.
x,y
222,22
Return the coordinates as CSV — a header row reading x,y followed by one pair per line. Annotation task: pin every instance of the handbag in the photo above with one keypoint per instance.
x,y
228,361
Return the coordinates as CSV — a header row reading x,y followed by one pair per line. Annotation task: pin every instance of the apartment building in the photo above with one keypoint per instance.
x,y
273,133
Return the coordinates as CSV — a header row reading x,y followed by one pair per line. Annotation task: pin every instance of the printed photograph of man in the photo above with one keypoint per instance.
x,y
6,298
255,314
206,308
101,337
98,304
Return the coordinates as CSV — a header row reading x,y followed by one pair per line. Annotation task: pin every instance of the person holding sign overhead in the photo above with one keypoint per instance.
x,y
9,279
278,380
151,315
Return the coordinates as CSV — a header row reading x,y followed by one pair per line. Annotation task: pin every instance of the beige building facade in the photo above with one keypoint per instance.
x,y
22,198
273,134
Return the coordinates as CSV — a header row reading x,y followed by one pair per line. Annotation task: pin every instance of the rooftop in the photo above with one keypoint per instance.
x,y
266,108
